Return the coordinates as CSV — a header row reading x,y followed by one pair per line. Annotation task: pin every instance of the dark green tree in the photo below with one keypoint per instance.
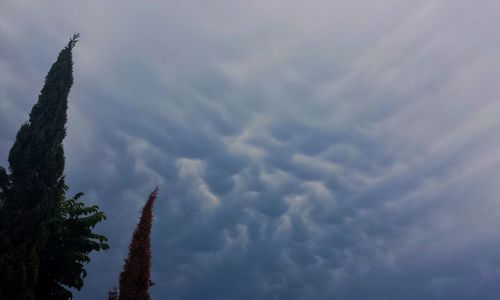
x,y
45,238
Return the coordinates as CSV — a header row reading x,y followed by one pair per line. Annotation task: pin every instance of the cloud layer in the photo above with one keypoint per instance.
x,y
319,150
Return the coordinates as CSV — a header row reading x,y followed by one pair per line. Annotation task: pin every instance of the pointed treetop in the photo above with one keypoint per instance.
x,y
154,194
73,40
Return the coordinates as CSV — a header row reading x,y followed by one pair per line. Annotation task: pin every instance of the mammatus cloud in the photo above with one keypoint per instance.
x,y
333,149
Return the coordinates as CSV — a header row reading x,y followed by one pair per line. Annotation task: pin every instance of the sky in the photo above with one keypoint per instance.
x,y
306,150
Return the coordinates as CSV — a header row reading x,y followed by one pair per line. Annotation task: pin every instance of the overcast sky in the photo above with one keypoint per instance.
x,y
304,150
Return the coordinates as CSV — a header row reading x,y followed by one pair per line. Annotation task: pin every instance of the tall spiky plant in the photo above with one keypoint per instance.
x,y
135,278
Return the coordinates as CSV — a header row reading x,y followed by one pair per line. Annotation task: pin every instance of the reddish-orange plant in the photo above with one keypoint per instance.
x,y
135,277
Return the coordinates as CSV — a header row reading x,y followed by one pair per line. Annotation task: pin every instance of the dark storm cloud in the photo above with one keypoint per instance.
x,y
332,149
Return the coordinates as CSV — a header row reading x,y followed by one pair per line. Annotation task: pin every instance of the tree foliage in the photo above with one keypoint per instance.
x,y
44,237
68,249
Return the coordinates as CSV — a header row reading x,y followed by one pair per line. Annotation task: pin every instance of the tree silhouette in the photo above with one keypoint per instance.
x,y
44,237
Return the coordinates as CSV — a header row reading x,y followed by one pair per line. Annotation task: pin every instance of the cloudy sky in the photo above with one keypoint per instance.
x,y
304,150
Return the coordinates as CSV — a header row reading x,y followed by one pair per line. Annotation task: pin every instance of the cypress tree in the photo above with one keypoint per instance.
x,y
35,215
135,277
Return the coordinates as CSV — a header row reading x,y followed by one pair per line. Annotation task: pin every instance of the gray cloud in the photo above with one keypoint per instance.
x,y
333,149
